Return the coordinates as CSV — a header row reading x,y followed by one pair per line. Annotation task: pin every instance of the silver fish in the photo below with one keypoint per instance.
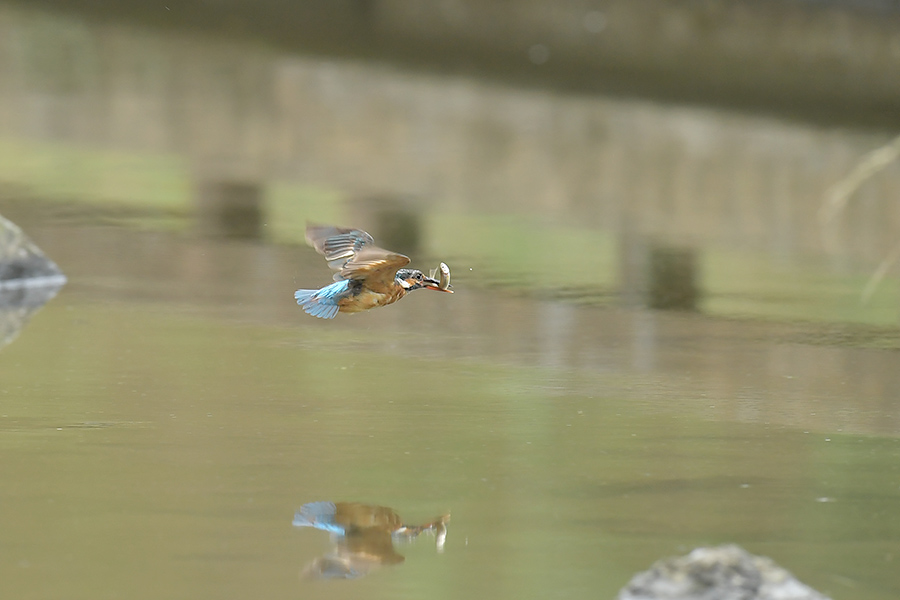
x,y
444,276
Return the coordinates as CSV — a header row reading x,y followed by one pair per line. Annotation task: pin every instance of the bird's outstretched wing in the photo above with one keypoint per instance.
x,y
354,255
337,245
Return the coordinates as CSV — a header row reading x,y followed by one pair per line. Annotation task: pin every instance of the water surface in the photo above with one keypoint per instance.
x,y
160,432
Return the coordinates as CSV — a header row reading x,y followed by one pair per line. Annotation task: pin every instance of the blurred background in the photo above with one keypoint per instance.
x,y
672,228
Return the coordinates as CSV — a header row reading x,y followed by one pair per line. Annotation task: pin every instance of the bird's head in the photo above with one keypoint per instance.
x,y
413,279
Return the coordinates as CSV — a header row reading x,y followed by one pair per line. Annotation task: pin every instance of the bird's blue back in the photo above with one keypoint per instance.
x,y
323,303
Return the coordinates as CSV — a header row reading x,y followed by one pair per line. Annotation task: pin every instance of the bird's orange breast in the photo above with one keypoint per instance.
x,y
367,299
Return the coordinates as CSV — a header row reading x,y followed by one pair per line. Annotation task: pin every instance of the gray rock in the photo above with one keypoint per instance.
x,y
720,573
22,264
28,279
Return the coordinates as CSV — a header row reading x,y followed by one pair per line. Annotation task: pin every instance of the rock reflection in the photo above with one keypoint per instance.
x,y
28,280
363,536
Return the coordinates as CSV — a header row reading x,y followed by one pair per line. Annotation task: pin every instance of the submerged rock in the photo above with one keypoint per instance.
x,y
720,573
28,279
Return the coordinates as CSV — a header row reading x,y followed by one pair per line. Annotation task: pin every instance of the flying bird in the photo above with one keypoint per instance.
x,y
366,276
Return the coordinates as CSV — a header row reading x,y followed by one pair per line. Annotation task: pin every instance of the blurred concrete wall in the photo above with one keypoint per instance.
x,y
241,116
825,59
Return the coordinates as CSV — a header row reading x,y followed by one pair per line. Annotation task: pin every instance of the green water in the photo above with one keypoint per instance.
x,y
159,447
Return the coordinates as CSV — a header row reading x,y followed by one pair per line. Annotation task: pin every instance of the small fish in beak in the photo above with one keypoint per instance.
x,y
443,284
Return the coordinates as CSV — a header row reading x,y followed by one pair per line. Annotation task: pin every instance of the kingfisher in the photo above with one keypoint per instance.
x,y
366,276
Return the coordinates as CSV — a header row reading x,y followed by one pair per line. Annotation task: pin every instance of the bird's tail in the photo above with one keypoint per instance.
x,y
322,303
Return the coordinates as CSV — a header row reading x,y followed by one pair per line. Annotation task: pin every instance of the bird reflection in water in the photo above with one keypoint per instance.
x,y
363,537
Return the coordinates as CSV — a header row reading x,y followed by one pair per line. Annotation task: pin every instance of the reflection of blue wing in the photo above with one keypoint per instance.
x,y
333,567
319,515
